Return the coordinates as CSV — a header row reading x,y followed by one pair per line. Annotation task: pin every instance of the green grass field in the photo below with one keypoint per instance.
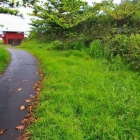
x,y
4,58
84,98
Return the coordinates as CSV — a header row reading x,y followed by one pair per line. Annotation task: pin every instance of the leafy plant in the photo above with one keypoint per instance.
x,y
127,47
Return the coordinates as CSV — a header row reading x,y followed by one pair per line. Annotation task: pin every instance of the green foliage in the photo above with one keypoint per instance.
x,y
99,50
76,45
117,63
8,11
65,14
84,98
79,45
55,45
4,58
133,51
118,44
17,3
101,34
121,12
127,47
96,49
58,21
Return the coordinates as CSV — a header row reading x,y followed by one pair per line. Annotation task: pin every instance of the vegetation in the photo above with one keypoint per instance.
x,y
84,98
90,57
8,11
108,23
4,58
8,7
16,3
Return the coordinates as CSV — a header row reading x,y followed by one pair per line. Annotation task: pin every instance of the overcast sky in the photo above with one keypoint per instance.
x,y
91,1
11,22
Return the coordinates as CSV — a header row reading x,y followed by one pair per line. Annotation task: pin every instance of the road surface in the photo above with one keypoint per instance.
x,y
20,74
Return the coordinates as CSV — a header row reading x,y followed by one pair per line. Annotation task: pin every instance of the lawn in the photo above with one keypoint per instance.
x,y
4,58
84,98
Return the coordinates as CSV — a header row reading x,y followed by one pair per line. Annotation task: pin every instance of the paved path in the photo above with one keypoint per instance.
x,y
23,66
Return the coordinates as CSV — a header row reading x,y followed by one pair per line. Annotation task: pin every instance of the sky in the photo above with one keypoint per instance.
x,y
91,1
12,22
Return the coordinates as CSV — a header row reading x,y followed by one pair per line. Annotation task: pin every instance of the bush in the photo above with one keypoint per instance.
x,y
55,45
133,51
127,47
68,45
119,45
75,45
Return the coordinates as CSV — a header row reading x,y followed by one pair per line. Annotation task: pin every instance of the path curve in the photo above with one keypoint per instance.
x,y
23,66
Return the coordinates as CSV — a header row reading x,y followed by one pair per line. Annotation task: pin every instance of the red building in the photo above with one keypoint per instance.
x,y
12,37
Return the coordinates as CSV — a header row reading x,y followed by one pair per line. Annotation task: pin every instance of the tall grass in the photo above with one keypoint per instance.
x,y
4,58
84,98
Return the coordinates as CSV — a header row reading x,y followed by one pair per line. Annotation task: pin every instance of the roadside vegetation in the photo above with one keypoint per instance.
x,y
90,58
4,58
84,98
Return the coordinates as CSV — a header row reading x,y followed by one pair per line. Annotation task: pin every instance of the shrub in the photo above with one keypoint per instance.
x,y
75,45
55,45
127,47
133,51
119,44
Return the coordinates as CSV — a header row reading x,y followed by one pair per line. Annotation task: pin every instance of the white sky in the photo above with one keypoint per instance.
x,y
11,22
91,1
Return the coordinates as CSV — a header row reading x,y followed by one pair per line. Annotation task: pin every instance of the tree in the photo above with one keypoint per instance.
x,y
64,12
9,7
57,17
8,11
13,3
121,13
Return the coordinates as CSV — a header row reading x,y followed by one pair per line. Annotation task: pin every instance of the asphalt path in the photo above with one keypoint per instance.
x,y
20,74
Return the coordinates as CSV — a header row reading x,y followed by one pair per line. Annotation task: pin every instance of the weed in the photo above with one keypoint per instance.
x,y
85,99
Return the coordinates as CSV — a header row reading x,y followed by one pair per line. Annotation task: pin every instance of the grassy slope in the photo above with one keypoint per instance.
x,y
85,99
4,58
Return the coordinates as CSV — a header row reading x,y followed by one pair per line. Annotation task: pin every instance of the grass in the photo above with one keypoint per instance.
x,y
4,58
1,41
84,98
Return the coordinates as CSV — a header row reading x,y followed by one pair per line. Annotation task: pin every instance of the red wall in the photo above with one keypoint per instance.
x,y
12,35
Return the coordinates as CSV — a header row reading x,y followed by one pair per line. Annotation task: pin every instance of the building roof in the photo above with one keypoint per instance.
x,y
14,31
11,30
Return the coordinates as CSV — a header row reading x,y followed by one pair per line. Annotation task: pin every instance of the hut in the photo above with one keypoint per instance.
x,y
12,37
